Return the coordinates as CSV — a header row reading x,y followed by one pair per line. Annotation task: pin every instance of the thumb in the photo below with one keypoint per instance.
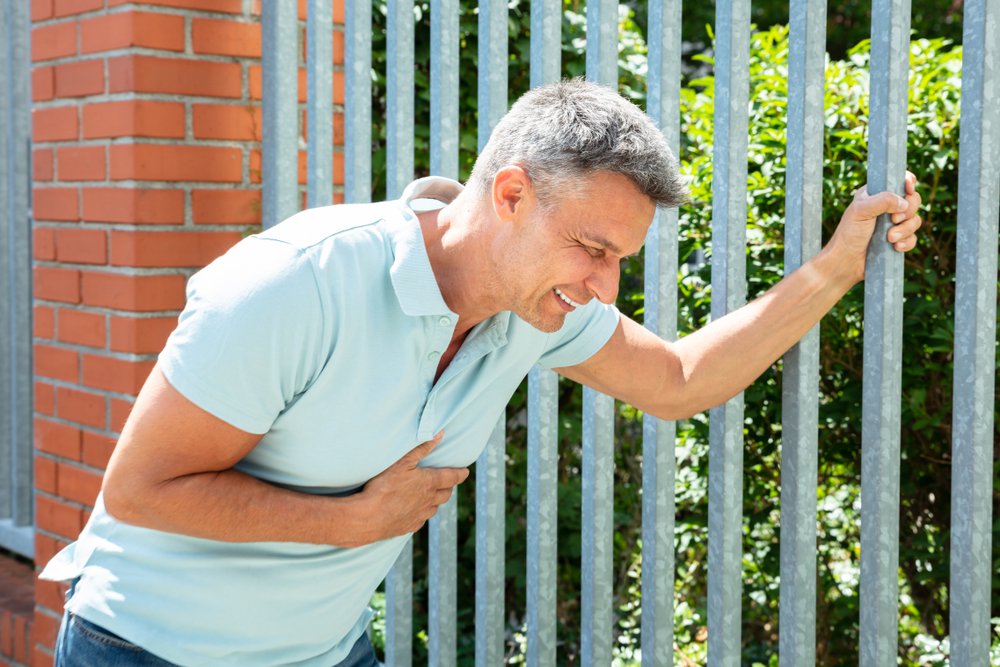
x,y
870,206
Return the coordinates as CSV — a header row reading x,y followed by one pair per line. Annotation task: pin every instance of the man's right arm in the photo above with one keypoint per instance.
x,y
172,470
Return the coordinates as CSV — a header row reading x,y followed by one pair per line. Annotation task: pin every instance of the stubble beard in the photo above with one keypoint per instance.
x,y
539,317
534,310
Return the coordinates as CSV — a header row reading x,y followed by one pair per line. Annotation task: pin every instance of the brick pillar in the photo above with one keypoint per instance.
x,y
146,130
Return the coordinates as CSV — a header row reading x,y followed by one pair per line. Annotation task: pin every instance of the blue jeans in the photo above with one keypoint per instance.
x,y
85,644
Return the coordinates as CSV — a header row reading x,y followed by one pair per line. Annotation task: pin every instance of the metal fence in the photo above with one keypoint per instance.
x,y
974,344
15,281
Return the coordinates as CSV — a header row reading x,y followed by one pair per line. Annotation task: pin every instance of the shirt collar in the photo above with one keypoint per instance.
x,y
411,274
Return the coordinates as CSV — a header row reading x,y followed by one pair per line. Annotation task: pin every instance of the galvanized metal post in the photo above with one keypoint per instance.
x,y
442,536
546,44
16,387
399,172
441,607
358,101
729,213
490,467
492,66
491,478
975,337
319,73
400,97
279,163
660,317
598,412
444,88
602,42
883,348
543,477
800,383
598,527
542,406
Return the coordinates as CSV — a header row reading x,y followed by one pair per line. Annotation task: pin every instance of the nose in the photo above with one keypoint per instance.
x,y
603,282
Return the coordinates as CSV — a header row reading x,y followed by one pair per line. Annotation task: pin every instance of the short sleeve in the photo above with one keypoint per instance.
x,y
251,337
584,332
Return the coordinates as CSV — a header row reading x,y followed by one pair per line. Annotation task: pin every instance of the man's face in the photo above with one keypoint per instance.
x,y
571,253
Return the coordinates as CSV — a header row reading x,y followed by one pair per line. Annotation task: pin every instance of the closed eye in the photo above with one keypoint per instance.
x,y
625,260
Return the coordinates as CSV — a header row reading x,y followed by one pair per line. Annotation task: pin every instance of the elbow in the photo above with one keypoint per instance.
x,y
673,412
682,404
122,500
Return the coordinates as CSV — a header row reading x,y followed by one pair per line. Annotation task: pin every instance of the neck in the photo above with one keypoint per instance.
x,y
457,239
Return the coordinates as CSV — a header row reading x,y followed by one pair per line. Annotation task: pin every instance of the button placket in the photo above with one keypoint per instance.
x,y
440,338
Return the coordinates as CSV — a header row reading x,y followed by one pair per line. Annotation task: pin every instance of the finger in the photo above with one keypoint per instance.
x,y
913,201
907,244
423,449
875,205
911,182
445,478
904,229
443,496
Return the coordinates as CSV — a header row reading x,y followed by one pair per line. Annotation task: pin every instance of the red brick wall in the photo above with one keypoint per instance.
x,y
146,130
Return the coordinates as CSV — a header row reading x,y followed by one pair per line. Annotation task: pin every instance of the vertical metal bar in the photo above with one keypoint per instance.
x,y
543,407
490,522
883,324
358,101
399,609
281,112
598,411
543,473
441,608
729,212
975,336
602,42
598,526
490,473
442,534
444,87
399,172
8,296
660,317
800,384
319,68
546,45
400,96
492,99
16,387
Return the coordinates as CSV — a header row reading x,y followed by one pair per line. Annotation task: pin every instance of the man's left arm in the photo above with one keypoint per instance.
x,y
710,366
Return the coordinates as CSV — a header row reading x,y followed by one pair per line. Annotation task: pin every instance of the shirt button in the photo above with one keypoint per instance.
x,y
433,356
445,321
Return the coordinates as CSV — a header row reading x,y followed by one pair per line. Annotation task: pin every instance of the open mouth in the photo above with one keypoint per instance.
x,y
566,300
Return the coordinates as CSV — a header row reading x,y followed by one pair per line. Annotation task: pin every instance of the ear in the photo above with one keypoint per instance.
x,y
512,193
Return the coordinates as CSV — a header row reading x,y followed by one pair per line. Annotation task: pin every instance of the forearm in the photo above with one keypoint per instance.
x,y
720,360
231,506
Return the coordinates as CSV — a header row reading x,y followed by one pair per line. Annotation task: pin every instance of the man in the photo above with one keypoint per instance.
x,y
330,380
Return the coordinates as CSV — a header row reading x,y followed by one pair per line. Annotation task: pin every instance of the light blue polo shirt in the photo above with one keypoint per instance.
x,y
323,333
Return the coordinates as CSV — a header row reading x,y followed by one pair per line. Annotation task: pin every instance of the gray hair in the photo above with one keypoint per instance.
x,y
562,132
